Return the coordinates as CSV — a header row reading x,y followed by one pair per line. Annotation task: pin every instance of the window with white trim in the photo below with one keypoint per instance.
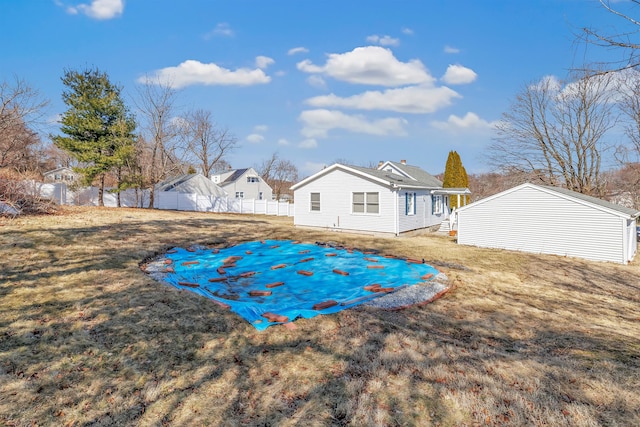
x,y
366,203
315,202
436,204
410,204
253,179
239,194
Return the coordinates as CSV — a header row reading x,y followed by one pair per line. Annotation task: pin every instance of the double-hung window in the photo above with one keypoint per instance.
x,y
315,202
366,203
410,204
436,204
239,194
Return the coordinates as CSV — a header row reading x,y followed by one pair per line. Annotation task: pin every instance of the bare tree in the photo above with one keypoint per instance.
x,y
625,182
158,146
555,132
21,108
280,174
622,40
207,143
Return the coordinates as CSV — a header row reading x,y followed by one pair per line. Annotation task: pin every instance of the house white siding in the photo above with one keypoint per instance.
x,y
530,219
336,200
423,216
249,185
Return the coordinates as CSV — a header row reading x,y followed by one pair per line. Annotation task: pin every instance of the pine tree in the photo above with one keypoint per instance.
x,y
455,176
98,127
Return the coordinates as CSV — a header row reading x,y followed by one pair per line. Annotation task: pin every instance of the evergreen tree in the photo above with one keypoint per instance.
x,y
455,176
98,127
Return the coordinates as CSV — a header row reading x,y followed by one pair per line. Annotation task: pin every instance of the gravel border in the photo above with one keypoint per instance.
x,y
421,293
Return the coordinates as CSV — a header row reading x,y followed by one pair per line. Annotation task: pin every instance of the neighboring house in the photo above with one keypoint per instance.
x,y
64,174
550,220
243,184
394,198
191,184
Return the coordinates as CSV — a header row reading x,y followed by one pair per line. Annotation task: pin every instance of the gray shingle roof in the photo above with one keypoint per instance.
x,y
419,175
234,176
593,200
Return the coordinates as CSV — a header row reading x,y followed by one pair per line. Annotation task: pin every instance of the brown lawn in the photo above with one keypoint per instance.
x,y
87,339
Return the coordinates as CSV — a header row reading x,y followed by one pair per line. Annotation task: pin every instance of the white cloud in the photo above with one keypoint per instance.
x,y
459,75
318,123
99,9
407,31
222,29
411,99
550,82
283,141
192,72
372,65
451,49
261,128
383,41
470,122
308,143
317,81
299,49
255,138
264,61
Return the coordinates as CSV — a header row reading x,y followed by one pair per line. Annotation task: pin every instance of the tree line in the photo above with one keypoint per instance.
x,y
110,145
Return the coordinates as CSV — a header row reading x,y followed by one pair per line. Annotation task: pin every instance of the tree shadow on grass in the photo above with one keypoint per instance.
x,y
91,340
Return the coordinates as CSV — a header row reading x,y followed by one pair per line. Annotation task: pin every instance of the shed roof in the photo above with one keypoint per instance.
x,y
565,193
191,183
594,200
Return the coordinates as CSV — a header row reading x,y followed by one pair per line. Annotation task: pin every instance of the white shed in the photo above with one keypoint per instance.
x,y
540,219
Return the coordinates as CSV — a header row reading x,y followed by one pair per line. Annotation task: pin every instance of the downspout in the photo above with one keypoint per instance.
x,y
395,210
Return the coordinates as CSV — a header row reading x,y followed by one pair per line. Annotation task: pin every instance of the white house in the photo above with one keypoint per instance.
x,y
394,198
243,184
550,220
63,174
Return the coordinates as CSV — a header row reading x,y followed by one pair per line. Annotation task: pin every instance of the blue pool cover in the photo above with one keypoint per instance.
x,y
275,281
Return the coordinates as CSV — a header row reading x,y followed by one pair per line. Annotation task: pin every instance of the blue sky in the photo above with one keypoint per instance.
x,y
314,81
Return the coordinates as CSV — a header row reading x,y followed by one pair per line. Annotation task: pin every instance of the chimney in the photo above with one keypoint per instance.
x,y
229,167
380,163
404,162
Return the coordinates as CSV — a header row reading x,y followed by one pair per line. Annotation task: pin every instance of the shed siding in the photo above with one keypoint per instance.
x,y
336,190
532,220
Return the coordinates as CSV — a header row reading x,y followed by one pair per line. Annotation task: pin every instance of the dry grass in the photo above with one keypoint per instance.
x,y
87,339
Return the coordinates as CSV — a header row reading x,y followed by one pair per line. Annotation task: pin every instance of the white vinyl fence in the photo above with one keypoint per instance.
x,y
196,202
88,196
167,200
